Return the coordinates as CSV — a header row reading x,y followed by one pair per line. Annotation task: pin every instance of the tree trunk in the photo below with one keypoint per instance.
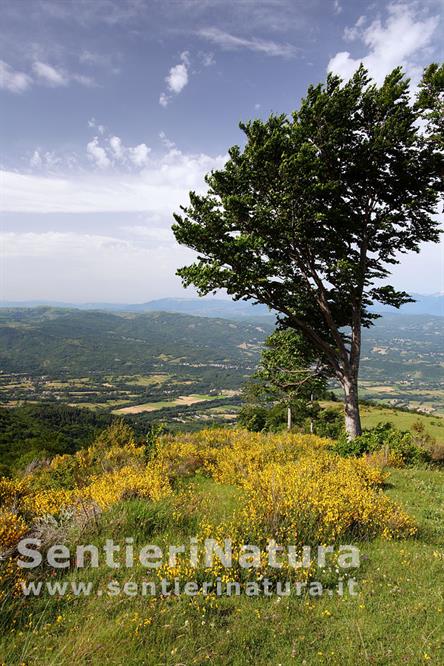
x,y
351,407
289,420
311,414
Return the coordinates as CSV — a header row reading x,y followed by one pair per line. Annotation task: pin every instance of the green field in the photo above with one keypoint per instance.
x,y
374,414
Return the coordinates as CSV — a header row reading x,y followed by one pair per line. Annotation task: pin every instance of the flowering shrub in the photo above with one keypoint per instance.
x,y
251,452
231,455
106,489
11,492
46,502
12,528
320,499
292,489
295,490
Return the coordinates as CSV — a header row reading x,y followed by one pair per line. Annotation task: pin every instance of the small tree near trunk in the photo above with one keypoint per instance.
x,y
311,213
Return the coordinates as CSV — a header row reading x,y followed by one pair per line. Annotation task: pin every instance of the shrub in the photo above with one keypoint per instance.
x,y
385,436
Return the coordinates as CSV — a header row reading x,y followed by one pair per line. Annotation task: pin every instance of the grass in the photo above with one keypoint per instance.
x,y
374,414
397,618
371,416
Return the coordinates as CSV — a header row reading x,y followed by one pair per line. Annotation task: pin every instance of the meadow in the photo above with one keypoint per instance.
x,y
220,482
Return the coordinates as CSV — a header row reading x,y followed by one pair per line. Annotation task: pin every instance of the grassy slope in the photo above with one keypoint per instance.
x,y
397,618
371,416
374,414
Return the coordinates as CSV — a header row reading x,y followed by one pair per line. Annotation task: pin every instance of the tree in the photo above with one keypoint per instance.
x,y
290,372
311,214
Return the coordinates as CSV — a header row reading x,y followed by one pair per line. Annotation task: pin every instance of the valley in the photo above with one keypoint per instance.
x,y
187,367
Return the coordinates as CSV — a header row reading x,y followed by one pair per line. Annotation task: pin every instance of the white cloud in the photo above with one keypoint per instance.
x,y
49,74
355,31
176,79
93,124
11,80
161,187
36,160
399,40
116,146
337,7
154,233
139,154
91,58
166,141
98,154
232,43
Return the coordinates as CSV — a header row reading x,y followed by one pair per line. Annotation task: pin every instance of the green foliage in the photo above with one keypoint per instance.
x,y
290,375
431,102
290,369
329,423
385,436
31,432
309,216
253,417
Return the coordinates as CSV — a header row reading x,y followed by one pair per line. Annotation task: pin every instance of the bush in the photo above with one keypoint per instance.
x,y
400,443
253,418
329,423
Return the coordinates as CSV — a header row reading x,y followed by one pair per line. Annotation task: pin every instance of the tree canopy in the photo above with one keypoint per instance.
x,y
310,215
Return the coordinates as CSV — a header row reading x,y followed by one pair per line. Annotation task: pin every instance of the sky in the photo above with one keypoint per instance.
x,y
112,110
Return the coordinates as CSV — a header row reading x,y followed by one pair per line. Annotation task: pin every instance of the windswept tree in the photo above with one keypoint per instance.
x,y
310,215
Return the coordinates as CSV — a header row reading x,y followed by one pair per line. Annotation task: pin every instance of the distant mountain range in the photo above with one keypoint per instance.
x,y
430,304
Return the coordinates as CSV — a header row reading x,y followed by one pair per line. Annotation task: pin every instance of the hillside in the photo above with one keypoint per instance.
x,y
384,608
49,340
119,360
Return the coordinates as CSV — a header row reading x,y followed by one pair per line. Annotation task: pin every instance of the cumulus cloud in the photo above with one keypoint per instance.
x,y
399,40
12,80
49,161
139,154
136,155
176,79
116,146
98,154
230,42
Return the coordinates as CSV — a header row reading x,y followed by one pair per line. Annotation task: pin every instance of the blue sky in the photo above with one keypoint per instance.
x,y
112,110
